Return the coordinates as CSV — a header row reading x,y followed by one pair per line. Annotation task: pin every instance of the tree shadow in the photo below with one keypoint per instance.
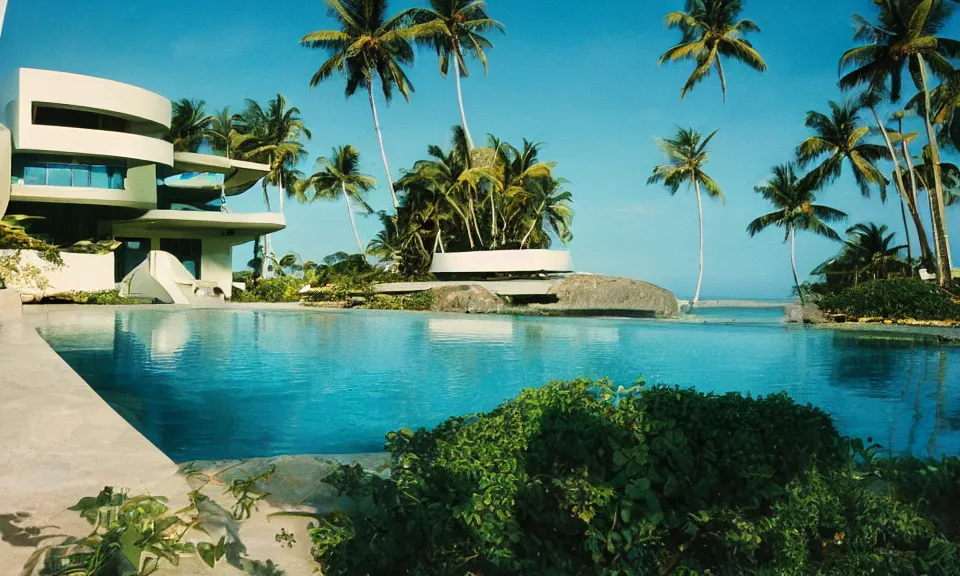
x,y
13,532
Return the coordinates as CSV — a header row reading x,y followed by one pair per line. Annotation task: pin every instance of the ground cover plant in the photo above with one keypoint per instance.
x,y
895,298
584,478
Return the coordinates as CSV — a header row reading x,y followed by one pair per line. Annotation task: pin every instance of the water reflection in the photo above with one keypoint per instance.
x,y
211,384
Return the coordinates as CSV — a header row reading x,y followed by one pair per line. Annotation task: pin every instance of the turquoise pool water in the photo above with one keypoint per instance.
x,y
215,384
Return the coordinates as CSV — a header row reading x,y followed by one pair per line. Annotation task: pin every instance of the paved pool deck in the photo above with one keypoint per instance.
x,y
59,441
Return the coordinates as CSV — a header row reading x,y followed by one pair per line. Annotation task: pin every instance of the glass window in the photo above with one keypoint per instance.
x,y
59,175
115,174
99,177
81,175
34,176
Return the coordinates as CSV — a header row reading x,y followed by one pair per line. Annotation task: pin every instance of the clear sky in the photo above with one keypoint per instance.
x,y
583,80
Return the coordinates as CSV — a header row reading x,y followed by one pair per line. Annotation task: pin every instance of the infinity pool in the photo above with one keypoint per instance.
x,y
218,384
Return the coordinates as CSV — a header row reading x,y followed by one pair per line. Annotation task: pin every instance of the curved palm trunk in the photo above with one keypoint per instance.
x,y
940,231
353,221
383,151
696,295
793,263
912,203
533,226
463,114
265,261
898,176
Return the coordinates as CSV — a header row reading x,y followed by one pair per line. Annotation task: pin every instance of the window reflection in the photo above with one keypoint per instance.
x,y
71,175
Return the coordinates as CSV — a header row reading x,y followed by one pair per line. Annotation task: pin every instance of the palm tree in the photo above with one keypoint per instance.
x,y
795,211
839,138
923,173
367,45
946,110
223,132
911,195
339,176
687,155
189,125
450,27
906,35
711,29
871,246
552,209
275,137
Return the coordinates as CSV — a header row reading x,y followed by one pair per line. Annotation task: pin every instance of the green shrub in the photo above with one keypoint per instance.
x,y
282,289
419,301
105,298
899,298
579,478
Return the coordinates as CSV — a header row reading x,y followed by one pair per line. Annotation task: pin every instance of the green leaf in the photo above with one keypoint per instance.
x,y
207,553
625,514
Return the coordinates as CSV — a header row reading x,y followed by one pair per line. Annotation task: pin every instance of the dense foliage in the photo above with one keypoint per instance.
x,y
419,302
106,298
899,298
579,478
492,198
280,289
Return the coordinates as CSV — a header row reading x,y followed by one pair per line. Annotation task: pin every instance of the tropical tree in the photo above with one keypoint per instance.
x,y
189,125
906,34
910,195
946,110
711,30
451,27
368,46
551,211
841,138
868,252
339,176
923,173
795,210
223,132
686,157
273,135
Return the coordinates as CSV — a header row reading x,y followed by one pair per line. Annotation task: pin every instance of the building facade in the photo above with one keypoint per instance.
x,y
88,156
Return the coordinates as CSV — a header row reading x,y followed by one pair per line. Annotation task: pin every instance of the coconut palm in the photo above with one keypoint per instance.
x,y
795,210
223,132
873,251
906,35
946,110
840,138
368,45
923,173
687,155
189,125
339,176
275,135
551,211
711,29
451,27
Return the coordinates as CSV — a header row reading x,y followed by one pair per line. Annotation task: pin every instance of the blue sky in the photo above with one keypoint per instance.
x,y
585,81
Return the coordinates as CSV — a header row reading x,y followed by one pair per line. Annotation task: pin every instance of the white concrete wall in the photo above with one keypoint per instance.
x,y
148,113
502,261
6,151
79,273
216,263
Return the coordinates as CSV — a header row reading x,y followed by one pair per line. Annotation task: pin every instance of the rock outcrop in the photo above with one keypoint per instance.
x,y
465,299
805,314
607,295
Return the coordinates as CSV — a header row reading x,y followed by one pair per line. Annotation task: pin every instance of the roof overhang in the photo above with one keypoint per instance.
x,y
202,222
239,175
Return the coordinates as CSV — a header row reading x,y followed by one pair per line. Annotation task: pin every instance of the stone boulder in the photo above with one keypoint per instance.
x,y
608,295
805,314
466,299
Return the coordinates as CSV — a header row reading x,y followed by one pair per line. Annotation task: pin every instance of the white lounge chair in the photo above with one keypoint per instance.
x,y
926,276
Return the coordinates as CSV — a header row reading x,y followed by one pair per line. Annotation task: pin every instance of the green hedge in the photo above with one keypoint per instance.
x,y
899,298
579,478
282,289
420,301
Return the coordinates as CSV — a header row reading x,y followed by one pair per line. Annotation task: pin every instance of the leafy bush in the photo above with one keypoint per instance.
x,y
106,298
282,289
898,298
420,301
579,478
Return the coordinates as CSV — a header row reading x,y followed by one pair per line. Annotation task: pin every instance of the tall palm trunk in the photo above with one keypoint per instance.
x,y
264,262
696,295
793,263
456,74
383,151
539,218
353,221
940,231
898,176
912,202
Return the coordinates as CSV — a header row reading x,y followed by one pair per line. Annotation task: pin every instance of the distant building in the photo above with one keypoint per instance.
x,y
88,156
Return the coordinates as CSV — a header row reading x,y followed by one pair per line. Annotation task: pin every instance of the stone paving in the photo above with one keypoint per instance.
x,y
59,441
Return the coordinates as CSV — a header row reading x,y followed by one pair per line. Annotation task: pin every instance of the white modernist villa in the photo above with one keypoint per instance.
x,y
88,156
